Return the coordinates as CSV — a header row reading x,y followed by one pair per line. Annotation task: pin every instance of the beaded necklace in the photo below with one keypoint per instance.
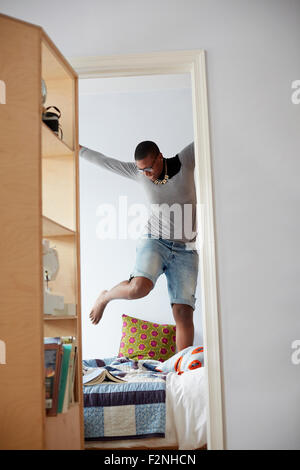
x,y
164,181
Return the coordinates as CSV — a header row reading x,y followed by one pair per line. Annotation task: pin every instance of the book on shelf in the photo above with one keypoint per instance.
x,y
98,375
69,391
55,340
52,358
75,397
73,375
65,373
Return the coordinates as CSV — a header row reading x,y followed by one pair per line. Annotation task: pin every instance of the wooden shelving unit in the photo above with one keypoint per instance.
x,y
40,200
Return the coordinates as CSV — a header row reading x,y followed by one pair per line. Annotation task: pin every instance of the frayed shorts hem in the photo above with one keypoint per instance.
x,y
143,274
183,301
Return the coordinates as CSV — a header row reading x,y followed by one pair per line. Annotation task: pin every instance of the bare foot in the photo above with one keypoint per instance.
x,y
98,308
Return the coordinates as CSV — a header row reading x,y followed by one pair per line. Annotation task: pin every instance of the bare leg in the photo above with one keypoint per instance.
x,y
135,289
183,315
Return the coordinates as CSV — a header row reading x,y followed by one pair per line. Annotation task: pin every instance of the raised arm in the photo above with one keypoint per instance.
x,y
127,169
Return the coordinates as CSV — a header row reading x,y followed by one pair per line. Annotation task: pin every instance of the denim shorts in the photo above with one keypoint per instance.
x,y
155,256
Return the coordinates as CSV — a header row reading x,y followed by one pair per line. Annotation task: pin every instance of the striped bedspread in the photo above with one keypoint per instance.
x,y
130,410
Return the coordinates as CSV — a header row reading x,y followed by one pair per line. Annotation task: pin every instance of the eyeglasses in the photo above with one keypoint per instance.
x,y
149,169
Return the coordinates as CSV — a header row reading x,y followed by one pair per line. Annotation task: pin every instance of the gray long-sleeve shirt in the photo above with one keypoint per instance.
x,y
172,205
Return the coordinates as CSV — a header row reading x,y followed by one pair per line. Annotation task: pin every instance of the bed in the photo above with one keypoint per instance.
x,y
150,410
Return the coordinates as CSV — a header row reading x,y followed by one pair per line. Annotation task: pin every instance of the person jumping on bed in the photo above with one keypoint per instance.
x,y
168,244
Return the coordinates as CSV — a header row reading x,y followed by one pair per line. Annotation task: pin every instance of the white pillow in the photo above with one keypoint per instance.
x,y
189,358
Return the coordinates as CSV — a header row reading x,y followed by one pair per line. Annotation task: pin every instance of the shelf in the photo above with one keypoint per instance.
x,y
52,145
59,317
53,229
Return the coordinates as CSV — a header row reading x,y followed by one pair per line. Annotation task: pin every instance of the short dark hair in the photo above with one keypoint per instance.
x,y
145,148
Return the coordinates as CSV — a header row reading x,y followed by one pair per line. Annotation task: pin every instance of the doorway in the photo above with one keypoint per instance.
x,y
192,63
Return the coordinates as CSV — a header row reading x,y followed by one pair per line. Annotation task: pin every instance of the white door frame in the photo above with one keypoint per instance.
x,y
193,62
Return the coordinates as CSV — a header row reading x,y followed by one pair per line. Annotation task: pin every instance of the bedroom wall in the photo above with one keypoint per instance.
x,y
114,116
252,60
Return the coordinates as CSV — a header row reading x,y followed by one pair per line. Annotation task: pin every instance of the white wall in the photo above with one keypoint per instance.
x,y
113,119
252,59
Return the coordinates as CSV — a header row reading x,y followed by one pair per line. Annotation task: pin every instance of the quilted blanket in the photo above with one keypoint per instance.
x,y
133,409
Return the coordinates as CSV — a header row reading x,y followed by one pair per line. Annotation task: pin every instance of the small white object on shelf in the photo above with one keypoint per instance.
x,y
54,303
67,310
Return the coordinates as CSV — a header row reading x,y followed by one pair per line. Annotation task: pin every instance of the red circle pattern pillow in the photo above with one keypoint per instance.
x,y
143,339
190,358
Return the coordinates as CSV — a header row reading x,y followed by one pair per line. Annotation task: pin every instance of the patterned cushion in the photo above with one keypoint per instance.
x,y
188,359
143,339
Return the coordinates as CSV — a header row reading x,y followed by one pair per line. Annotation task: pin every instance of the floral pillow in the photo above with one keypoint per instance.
x,y
143,339
190,358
